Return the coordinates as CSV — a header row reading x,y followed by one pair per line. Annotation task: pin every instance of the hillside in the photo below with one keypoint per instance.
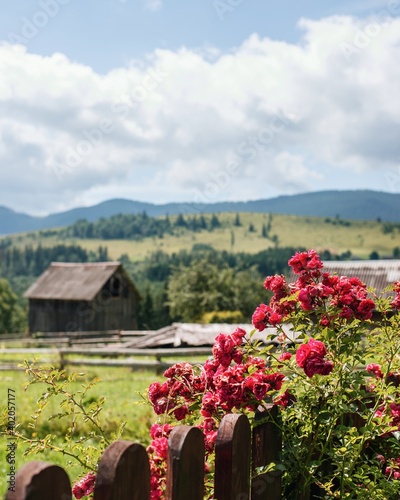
x,y
360,205
322,233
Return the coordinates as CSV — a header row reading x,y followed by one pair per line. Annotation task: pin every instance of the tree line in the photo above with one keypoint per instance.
x,y
138,226
32,261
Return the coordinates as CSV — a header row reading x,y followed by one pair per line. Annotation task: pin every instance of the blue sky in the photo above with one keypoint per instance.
x,y
162,100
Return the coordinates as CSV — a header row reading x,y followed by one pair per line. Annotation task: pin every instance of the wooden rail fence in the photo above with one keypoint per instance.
x,y
124,473
57,339
96,356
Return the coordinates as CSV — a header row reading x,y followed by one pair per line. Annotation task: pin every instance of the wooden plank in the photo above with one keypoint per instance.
x,y
39,481
76,334
13,336
202,351
232,458
30,341
123,473
29,350
11,368
95,340
185,470
117,362
105,351
266,447
136,333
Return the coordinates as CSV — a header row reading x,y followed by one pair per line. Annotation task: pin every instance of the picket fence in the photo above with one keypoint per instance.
x,y
124,474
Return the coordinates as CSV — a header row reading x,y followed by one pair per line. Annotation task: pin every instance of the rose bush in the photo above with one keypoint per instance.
x,y
334,380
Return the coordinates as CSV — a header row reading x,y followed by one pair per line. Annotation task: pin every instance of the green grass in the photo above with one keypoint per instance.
x,y
360,237
120,386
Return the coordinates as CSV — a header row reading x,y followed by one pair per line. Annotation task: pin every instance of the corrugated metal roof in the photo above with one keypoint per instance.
x,y
72,281
378,274
196,334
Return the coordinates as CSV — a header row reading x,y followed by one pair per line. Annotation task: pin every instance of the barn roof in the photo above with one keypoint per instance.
x,y
378,274
72,281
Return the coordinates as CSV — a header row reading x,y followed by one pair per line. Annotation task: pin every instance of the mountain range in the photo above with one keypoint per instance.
x,y
360,204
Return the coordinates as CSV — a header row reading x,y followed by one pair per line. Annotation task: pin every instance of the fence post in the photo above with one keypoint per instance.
x,y
266,446
40,480
232,459
123,473
62,359
185,469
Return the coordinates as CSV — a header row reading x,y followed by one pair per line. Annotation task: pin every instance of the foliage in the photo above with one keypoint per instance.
x,y
337,393
229,317
121,387
11,314
137,226
206,287
79,409
30,261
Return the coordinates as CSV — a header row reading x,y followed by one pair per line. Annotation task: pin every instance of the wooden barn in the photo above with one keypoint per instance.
x,y
71,297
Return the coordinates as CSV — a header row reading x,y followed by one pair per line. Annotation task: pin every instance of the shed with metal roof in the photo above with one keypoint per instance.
x,y
377,274
70,297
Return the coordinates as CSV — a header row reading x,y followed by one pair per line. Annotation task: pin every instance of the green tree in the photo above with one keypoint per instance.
x,y
11,315
204,287
214,222
264,232
374,255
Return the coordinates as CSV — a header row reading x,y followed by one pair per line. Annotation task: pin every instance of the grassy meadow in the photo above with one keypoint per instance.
x,y
338,236
121,388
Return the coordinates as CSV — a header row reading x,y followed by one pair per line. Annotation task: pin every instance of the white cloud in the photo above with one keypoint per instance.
x,y
267,118
153,5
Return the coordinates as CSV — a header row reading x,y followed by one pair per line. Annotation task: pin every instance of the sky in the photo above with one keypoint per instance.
x,y
196,101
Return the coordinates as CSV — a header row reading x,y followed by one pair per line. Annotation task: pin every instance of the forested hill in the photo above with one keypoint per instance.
x,y
365,205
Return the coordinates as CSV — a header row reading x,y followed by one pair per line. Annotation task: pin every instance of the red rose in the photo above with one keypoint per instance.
x,y
317,365
285,356
302,354
317,347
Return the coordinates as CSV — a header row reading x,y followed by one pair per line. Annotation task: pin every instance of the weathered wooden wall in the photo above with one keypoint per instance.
x,y
113,308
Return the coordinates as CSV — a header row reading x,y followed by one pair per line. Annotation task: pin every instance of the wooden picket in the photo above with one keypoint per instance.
x,y
124,471
41,481
266,446
185,472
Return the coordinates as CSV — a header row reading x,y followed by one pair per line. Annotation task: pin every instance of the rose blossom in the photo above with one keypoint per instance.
x,y
305,261
374,369
285,356
311,357
264,315
317,365
85,486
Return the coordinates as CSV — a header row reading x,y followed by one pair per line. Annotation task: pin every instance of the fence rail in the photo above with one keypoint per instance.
x,y
72,338
64,357
124,472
